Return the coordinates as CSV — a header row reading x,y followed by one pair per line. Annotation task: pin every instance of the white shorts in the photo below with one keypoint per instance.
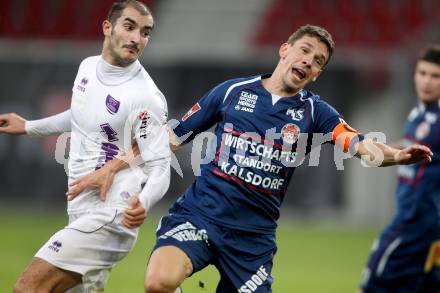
x,y
90,245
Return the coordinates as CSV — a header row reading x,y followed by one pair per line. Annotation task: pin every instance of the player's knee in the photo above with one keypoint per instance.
x,y
156,284
18,288
21,286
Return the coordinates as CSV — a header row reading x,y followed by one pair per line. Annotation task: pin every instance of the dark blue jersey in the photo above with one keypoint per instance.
x,y
256,151
418,191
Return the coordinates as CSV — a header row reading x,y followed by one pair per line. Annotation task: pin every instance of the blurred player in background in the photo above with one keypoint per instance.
x,y
406,257
115,104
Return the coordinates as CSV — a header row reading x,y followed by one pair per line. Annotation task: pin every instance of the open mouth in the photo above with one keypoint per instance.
x,y
299,73
132,50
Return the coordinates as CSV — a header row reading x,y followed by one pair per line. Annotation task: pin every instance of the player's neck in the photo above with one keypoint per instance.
x,y
111,74
430,104
274,85
113,61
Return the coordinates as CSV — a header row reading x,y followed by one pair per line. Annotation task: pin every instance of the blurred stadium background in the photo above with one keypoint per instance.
x,y
195,45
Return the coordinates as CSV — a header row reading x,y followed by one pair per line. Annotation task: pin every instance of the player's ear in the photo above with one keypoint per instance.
x,y
106,28
283,50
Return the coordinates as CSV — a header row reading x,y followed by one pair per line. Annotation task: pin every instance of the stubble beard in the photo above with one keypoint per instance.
x,y
123,62
289,86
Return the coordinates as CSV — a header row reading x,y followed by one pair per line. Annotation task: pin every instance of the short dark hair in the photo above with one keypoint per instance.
x,y
314,31
116,10
430,54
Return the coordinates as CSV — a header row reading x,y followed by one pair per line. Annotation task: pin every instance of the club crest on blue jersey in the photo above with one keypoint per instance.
x,y
296,114
431,118
290,133
112,104
423,130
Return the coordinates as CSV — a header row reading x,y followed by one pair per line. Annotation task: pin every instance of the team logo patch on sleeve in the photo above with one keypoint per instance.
x,y
144,129
290,133
143,115
191,111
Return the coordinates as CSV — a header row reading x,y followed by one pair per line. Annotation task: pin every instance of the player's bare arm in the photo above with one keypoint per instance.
x,y
12,123
397,144
370,151
102,178
377,154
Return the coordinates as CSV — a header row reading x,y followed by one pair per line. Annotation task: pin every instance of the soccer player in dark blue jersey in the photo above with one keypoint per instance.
x,y
228,216
406,257
265,124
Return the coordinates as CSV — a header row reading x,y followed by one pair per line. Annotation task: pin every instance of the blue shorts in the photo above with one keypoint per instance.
x,y
405,259
243,259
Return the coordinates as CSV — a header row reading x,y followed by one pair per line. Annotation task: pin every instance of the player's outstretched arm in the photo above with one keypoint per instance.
x,y
12,123
397,144
102,178
381,155
55,124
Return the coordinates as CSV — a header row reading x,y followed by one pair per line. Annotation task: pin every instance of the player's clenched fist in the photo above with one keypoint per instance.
x,y
12,124
135,214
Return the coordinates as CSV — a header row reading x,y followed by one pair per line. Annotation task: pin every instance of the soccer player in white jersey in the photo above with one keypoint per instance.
x,y
115,104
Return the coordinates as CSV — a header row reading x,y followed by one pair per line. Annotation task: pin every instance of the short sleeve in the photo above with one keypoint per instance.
x,y
202,115
328,120
325,117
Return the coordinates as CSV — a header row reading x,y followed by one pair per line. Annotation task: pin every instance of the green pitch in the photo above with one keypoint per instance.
x,y
310,258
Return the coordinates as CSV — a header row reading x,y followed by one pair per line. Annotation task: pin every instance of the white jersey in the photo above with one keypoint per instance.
x,y
112,108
